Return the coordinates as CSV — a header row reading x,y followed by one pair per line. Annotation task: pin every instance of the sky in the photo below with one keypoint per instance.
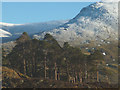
x,y
32,12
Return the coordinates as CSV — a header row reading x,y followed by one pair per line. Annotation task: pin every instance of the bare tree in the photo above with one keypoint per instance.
x,y
45,66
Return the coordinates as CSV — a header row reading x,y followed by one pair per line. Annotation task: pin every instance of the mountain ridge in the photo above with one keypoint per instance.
x,y
96,22
10,31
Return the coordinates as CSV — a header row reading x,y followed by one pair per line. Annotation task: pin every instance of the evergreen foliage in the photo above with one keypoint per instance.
x,y
47,59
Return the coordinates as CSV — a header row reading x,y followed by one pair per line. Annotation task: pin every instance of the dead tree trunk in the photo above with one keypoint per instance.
x,y
97,73
68,73
97,76
34,63
24,66
58,73
55,71
24,62
29,69
80,78
33,66
85,72
73,79
45,68
76,78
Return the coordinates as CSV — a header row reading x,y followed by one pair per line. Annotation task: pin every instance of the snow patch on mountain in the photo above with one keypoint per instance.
x,y
98,21
10,31
4,33
8,24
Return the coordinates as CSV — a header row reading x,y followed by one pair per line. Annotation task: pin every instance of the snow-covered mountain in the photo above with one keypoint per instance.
x,y
10,31
96,22
4,33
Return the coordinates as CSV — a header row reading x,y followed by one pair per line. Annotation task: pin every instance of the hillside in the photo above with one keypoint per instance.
x,y
48,65
11,78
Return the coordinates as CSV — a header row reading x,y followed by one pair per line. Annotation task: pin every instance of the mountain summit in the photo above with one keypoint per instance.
x,y
96,22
